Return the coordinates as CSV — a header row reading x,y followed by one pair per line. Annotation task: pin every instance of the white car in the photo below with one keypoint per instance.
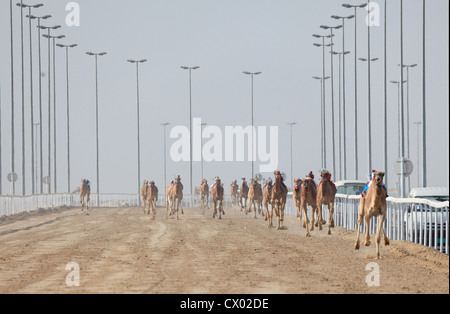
x,y
350,187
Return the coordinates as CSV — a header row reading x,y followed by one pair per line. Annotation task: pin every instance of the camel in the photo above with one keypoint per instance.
x,y
217,193
144,195
243,194
255,196
308,197
174,194
279,195
151,198
296,196
234,193
267,199
326,193
204,195
85,193
373,204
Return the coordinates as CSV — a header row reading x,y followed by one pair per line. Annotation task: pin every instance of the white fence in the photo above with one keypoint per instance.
x,y
419,221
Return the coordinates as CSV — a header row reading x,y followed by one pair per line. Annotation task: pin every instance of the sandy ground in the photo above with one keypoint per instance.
x,y
124,251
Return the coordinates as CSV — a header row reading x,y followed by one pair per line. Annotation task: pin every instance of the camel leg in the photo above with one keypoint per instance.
x,y
319,217
378,238
215,208
82,202
220,209
360,220
331,218
254,207
178,207
153,209
386,239
306,220
168,205
367,239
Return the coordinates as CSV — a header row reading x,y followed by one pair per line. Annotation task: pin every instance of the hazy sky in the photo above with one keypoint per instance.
x,y
224,38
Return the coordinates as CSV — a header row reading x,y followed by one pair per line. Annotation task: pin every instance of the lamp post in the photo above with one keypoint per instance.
x,y
400,125
190,121
252,74
137,62
41,159
23,6
344,134
96,55
292,124
165,149
331,28
418,152
13,189
49,29
322,119
201,153
54,109
369,115
424,117
68,111
356,7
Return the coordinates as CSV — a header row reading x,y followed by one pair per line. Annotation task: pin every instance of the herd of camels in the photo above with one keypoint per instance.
x,y
305,193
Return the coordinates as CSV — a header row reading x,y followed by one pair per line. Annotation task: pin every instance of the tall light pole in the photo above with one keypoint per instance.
x,y
190,121
68,111
165,152
23,6
201,153
292,124
356,7
402,128
324,147
424,116
418,153
96,55
331,28
48,36
137,62
13,189
41,160
322,120
369,115
252,74
54,110
1,152
36,157
399,124
344,134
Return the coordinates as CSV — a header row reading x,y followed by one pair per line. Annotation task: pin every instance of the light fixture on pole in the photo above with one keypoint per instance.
x,y
252,74
137,62
190,122
331,28
96,55
67,110
41,159
356,7
344,134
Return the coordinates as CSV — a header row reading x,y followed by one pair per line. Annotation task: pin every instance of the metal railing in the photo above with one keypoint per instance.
x,y
416,220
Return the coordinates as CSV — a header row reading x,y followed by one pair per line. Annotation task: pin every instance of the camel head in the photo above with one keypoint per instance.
x,y
325,176
297,183
378,178
278,176
152,183
145,183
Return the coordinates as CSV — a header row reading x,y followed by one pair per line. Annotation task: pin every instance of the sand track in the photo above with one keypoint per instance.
x,y
124,251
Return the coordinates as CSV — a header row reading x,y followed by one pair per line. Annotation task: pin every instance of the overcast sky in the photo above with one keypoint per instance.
x,y
224,38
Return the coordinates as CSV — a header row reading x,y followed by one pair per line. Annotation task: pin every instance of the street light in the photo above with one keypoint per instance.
x,y
344,135
23,6
54,108
41,160
190,121
323,45
292,124
418,152
331,28
13,189
369,115
49,29
68,111
96,55
356,7
137,62
252,74
322,119
165,149
201,153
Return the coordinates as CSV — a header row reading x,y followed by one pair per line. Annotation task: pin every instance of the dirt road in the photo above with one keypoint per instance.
x,y
124,251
